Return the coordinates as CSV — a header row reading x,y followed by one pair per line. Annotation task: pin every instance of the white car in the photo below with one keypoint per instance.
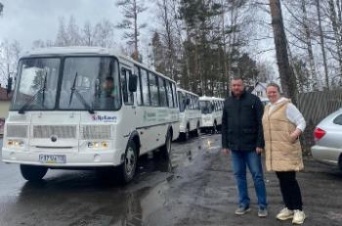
x,y
328,134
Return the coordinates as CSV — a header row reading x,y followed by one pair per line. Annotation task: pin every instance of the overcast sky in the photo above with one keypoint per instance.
x,y
29,20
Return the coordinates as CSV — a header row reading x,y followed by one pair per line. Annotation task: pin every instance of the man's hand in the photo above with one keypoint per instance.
x,y
225,151
259,150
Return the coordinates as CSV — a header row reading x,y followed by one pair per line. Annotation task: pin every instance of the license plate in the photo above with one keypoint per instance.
x,y
52,159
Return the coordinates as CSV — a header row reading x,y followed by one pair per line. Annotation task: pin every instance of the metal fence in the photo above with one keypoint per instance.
x,y
315,106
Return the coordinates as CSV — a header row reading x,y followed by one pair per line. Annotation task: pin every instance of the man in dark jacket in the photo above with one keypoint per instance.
x,y
242,135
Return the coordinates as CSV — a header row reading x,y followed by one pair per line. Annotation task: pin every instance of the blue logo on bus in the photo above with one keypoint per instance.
x,y
104,118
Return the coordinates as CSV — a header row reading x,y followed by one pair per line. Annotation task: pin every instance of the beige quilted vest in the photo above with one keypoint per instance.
x,y
281,153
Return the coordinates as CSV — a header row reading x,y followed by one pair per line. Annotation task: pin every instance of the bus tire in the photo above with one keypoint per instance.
x,y
214,130
198,130
127,169
186,134
33,173
165,150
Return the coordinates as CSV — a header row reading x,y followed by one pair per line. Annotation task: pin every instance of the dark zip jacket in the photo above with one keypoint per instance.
x,y
242,123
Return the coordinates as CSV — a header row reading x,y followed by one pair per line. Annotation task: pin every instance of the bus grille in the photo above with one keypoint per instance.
x,y
46,131
96,132
19,131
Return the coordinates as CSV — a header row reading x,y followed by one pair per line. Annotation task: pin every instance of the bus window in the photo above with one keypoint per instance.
x,y
153,89
124,85
145,89
162,92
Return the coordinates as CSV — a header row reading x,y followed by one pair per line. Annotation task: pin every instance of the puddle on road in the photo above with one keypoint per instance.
x,y
80,198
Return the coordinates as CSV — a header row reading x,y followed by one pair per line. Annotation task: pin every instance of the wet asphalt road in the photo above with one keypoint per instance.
x,y
197,188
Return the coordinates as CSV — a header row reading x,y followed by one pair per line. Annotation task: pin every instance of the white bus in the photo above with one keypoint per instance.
x,y
190,113
63,115
211,109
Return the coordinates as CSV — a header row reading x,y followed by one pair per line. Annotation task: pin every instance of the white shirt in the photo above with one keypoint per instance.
x,y
292,114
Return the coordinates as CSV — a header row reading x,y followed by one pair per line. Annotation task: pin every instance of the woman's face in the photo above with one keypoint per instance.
x,y
273,94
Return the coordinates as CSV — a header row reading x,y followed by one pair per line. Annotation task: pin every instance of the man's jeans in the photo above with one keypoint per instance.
x,y
253,160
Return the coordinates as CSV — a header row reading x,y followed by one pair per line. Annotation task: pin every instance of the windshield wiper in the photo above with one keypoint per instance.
x,y
79,96
41,90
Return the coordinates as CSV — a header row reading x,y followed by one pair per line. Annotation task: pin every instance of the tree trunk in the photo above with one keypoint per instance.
x,y
326,72
136,52
337,33
309,45
286,74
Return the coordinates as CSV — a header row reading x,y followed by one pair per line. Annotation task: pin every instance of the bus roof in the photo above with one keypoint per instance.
x,y
186,91
70,50
203,98
86,50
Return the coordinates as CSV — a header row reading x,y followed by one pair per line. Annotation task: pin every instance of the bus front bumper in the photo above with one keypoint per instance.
x,y
62,158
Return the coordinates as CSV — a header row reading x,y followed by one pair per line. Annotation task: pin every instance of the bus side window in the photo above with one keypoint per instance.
x,y
127,96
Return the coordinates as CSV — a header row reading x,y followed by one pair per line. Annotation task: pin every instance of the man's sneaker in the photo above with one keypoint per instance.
x,y
285,214
242,210
262,212
298,217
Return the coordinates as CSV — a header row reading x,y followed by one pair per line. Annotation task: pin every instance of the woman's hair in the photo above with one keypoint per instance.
x,y
274,85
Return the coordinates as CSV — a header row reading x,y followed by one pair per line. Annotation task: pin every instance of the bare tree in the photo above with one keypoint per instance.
x,y
99,35
104,34
8,60
1,8
308,43
73,32
62,38
131,10
322,43
287,79
170,37
337,28
265,71
88,34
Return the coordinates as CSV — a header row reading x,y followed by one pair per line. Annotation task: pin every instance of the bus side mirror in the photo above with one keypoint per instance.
x,y
187,102
133,83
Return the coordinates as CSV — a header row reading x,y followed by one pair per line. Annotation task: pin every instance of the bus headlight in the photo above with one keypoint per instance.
x,y
15,143
97,144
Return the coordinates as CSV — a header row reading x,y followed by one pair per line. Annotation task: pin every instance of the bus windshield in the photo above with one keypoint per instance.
x,y
206,107
80,83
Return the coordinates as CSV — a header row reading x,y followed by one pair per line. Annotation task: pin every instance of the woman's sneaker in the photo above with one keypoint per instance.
x,y
285,214
298,217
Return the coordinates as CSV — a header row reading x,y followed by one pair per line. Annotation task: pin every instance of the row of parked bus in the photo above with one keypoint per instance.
x,y
91,108
198,113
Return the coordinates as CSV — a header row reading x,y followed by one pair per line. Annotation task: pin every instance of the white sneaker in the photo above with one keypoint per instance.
x,y
285,214
298,217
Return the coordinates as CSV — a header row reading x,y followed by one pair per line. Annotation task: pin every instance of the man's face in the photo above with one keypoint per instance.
x,y
109,85
237,87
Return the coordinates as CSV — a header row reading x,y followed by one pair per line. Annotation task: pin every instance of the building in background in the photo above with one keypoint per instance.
x,y
5,100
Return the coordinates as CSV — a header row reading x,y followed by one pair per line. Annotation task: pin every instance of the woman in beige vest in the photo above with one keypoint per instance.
x,y
283,124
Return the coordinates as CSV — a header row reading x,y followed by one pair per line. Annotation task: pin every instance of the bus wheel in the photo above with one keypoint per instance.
x,y
128,168
166,148
214,130
198,130
33,173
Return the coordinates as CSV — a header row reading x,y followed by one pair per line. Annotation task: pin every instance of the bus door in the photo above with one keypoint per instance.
x,y
129,114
